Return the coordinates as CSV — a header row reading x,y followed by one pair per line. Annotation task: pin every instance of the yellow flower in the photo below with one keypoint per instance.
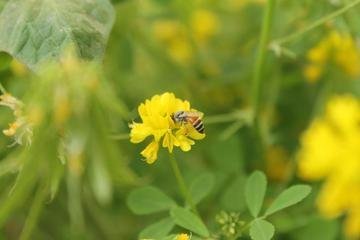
x,y
336,48
204,25
319,54
11,130
180,50
11,102
172,35
330,152
183,236
167,30
21,128
158,124
313,72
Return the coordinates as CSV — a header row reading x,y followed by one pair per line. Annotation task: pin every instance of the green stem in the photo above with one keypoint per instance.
x,y
317,23
74,204
181,183
261,57
120,136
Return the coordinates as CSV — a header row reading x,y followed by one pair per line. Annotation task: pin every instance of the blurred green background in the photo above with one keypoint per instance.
x,y
204,51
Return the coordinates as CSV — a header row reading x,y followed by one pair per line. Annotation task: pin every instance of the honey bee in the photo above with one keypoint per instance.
x,y
191,117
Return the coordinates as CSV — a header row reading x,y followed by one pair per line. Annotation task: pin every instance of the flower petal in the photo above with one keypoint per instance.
x,y
185,143
150,152
139,131
170,141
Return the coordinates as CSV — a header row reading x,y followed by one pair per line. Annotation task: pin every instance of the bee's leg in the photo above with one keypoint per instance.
x,y
187,130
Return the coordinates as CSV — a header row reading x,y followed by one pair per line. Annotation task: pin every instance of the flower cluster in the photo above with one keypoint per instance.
x,y
157,122
183,236
330,152
336,48
230,223
174,36
19,129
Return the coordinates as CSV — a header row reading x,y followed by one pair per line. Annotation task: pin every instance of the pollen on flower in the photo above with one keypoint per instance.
x,y
158,126
330,152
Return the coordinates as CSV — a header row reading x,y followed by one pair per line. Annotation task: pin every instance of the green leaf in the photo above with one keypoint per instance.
x,y
158,230
261,230
201,187
255,192
170,237
289,197
233,196
188,220
148,200
36,31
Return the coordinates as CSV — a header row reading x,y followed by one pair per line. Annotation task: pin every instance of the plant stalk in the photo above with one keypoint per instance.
x,y
181,183
261,57
316,24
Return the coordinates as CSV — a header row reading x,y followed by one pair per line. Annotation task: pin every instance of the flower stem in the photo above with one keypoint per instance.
x,y
317,23
181,183
120,136
261,57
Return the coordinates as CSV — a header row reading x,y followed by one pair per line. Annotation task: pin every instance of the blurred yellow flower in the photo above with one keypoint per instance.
x,y
336,48
330,152
180,50
166,31
313,72
204,25
18,68
172,35
183,236
20,128
158,123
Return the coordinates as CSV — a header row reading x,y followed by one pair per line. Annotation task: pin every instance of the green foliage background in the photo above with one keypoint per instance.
x,y
120,50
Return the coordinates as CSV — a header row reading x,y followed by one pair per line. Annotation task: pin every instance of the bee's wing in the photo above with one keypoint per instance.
x,y
195,113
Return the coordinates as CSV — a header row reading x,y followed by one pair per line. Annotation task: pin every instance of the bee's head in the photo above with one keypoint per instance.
x,y
178,116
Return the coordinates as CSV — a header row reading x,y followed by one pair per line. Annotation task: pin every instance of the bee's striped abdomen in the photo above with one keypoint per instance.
x,y
199,125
